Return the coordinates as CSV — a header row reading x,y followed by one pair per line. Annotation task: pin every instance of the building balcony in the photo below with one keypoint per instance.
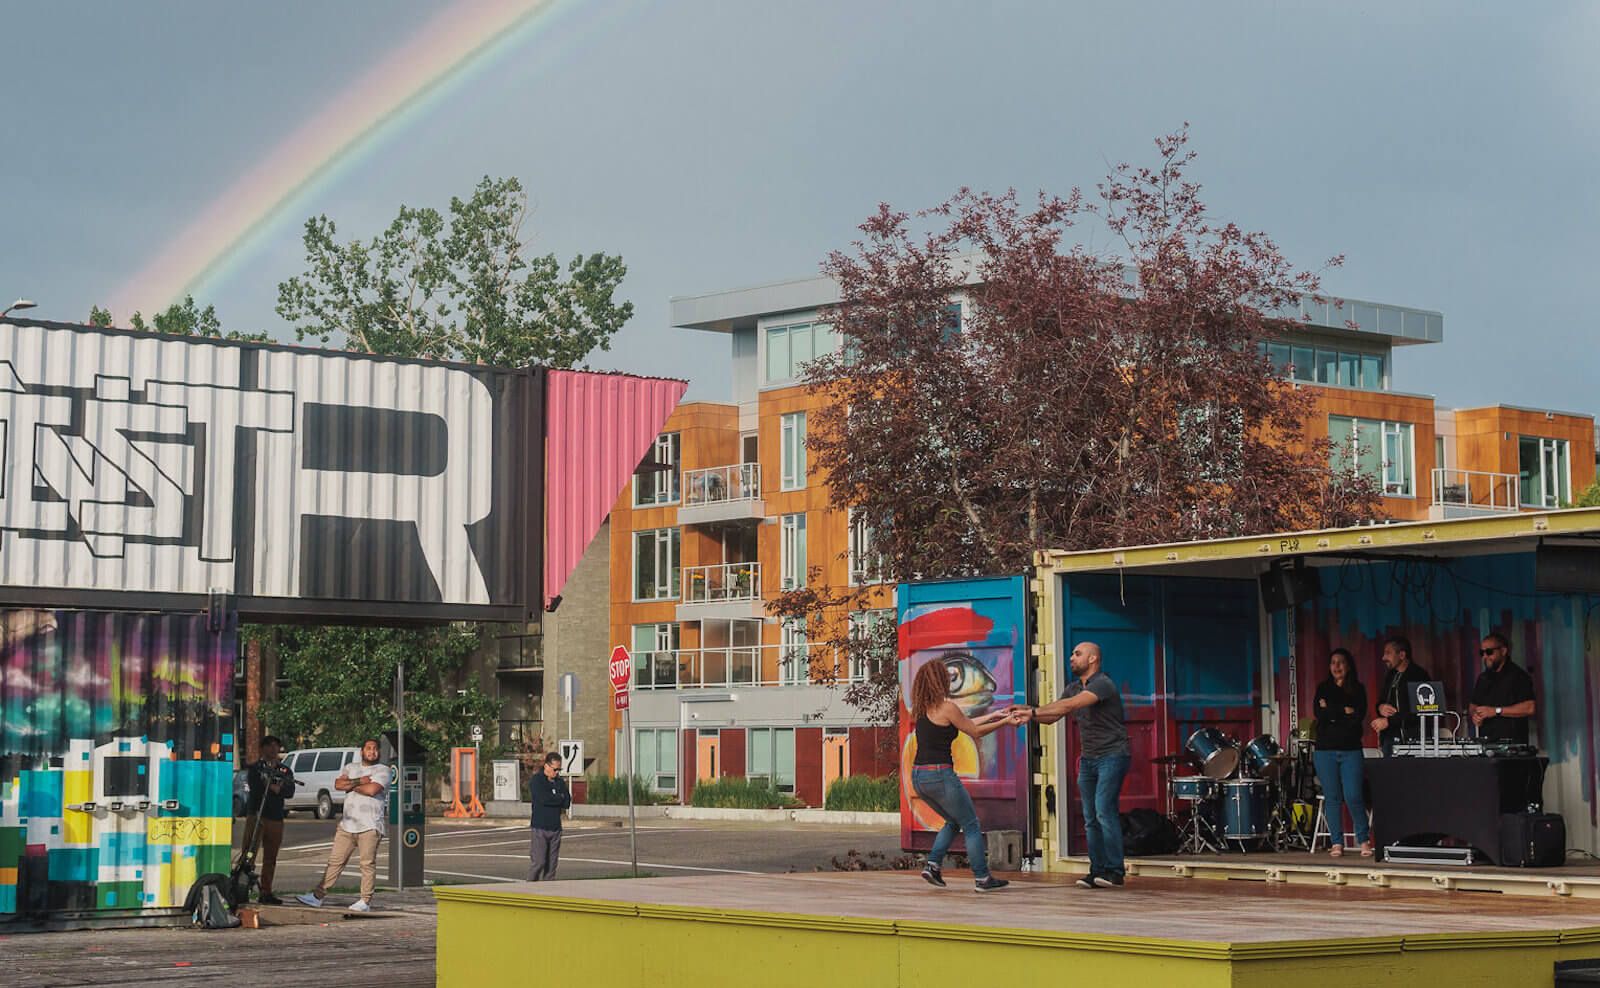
x,y
722,495
1472,493
749,665
723,590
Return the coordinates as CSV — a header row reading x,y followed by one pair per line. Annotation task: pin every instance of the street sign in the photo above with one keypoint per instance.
x,y
567,690
477,733
621,669
571,756
619,701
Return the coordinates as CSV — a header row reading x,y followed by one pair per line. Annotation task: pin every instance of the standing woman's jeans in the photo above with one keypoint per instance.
x,y
942,790
1341,774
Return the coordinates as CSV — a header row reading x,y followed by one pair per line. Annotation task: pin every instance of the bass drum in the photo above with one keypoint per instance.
x,y
1218,755
1244,809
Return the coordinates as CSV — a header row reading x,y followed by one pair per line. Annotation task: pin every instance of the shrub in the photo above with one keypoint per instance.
x,y
739,794
609,790
864,794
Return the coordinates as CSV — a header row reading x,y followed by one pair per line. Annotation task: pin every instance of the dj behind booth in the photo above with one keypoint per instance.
x,y
1474,791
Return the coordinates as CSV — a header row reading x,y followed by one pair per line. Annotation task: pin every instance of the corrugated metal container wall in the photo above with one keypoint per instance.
x,y
116,763
303,481
598,428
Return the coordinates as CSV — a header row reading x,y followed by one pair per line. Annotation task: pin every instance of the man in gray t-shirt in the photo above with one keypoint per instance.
x,y
1095,703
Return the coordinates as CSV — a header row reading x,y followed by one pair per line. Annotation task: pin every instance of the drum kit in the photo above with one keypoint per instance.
x,y
1242,797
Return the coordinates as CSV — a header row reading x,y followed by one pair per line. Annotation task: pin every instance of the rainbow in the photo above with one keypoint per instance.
x,y
465,36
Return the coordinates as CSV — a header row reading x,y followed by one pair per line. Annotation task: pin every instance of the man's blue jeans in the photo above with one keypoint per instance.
x,y
1341,774
942,790
1100,783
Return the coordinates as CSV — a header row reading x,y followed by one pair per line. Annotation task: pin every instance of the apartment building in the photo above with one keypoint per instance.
x,y
738,515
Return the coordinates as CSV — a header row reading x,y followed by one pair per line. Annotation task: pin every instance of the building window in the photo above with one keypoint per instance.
x,y
750,449
659,486
655,564
1544,472
791,347
792,433
877,627
792,546
769,756
1320,365
866,556
794,662
1380,450
655,654
655,758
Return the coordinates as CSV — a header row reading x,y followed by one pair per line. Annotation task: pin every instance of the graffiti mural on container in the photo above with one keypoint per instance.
x,y
978,633
116,759
1445,609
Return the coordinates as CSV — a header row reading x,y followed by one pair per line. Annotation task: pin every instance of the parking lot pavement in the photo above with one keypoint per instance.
x,y
497,851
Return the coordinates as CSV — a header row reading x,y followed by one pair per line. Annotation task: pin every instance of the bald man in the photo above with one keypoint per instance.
x,y
1096,703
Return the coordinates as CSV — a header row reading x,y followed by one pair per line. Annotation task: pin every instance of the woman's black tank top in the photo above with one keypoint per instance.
x,y
933,742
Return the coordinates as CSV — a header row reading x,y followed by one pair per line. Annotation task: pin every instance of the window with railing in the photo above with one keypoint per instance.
x,y
657,485
873,632
794,657
655,654
1477,489
655,564
722,582
715,485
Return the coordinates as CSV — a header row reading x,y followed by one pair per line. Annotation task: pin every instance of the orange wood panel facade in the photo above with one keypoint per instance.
x,y
1385,406
1488,439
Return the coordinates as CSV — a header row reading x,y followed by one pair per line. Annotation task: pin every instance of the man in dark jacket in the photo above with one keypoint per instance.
x,y
1397,718
550,797
270,782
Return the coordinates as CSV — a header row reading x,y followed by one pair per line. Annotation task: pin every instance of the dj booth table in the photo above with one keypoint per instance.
x,y
1460,797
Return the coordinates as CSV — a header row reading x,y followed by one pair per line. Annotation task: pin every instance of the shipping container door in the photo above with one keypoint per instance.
x,y
978,627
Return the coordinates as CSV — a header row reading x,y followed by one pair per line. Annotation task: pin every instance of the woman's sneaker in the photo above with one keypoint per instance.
x,y
990,884
931,875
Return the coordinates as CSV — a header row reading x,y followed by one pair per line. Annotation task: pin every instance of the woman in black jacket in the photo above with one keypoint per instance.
x,y
1340,704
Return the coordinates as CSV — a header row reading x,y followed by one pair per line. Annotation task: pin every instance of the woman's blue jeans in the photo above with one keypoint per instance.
x,y
942,790
1341,774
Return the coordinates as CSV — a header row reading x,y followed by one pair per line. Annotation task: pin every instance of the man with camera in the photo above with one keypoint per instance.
x,y
270,782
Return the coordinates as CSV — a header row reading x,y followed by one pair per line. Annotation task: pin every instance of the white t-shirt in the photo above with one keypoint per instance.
x,y
362,812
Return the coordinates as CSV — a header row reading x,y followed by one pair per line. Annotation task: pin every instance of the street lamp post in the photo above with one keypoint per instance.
x,y
18,305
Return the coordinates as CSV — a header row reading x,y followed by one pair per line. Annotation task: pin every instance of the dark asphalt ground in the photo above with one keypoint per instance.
x,y
498,850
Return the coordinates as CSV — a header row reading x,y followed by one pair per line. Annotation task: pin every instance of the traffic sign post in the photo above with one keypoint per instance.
x,y
621,672
571,750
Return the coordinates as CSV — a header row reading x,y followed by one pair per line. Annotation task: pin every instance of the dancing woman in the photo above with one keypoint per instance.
x,y
933,773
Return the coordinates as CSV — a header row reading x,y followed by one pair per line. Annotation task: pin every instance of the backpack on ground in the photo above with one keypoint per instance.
x,y
207,904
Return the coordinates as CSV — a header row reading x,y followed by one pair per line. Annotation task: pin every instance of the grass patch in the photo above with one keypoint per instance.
x,y
864,794
740,794
610,790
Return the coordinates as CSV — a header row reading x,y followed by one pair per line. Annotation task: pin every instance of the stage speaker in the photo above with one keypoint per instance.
x,y
1567,569
1284,586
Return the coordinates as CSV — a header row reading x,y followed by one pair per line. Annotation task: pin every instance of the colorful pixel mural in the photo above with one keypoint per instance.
x,y
977,628
1445,607
116,760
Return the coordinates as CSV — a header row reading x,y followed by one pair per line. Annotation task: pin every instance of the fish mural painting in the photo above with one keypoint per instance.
x,y
977,628
116,762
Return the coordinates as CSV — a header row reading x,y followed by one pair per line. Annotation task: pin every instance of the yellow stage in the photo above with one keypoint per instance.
x,y
881,930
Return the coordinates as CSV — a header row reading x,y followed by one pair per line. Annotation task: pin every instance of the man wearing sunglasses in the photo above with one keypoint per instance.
x,y
1502,698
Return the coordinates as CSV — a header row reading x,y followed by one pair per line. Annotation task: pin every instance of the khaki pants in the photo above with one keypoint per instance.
x,y
344,844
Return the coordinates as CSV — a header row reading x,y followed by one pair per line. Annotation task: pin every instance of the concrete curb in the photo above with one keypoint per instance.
x,y
836,817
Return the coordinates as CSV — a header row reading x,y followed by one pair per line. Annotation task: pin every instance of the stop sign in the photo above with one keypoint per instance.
x,y
621,669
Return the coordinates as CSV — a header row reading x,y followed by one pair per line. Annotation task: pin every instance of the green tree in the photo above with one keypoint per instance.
x,y
1590,498
456,287
341,684
184,318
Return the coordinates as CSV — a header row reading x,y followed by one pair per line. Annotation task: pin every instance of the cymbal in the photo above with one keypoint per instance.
x,y
1177,759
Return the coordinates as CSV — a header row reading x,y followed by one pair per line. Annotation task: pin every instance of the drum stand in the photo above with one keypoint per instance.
x,y
1199,835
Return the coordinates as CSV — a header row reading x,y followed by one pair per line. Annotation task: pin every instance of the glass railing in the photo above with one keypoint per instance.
x,y
1476,489
715,485
751,665
721,582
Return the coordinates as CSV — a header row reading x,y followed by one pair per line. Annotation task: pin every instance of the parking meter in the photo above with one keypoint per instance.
x,y
407,805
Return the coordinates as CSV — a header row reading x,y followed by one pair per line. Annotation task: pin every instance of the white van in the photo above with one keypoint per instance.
x,y
314,771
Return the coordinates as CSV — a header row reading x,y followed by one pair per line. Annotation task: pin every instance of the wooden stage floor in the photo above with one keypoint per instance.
x,y
901,930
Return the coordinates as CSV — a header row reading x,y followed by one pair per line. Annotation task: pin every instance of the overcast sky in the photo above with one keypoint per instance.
x,y
1450,151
